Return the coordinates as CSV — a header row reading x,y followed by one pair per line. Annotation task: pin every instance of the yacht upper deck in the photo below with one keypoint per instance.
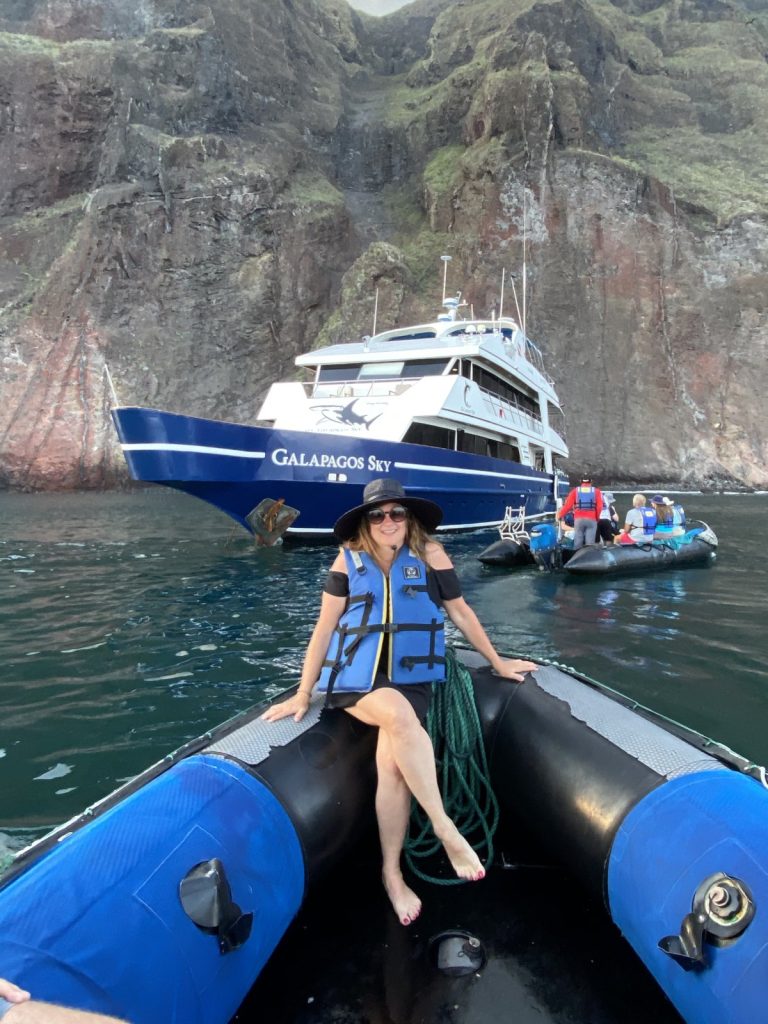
x,y
501,340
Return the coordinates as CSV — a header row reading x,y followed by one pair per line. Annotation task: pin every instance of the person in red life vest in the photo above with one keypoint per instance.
x,y
586,502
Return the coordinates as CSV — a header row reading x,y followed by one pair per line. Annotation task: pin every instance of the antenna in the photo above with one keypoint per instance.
x,y
446,260
375,310
517,304
501,297
525,273
115,400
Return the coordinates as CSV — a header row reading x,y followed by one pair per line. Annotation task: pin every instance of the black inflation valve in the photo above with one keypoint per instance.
x,y
206,897
722,909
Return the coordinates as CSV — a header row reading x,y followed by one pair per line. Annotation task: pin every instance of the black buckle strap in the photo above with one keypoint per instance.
x,y
432,659
335,664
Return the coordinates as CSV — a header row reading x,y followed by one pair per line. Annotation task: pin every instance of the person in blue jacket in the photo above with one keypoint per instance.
x,y
376,650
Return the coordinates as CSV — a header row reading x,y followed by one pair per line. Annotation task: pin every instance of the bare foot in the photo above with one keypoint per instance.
x,y
406,903
463,858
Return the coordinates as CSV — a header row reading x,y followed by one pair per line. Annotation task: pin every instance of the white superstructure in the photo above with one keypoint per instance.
x,y
473,385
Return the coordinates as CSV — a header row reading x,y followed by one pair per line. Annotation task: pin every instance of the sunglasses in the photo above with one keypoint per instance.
x,y
398,514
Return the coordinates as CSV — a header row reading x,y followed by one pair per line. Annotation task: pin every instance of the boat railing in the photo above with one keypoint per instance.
x,y
513,525
357,388
523,417
535,358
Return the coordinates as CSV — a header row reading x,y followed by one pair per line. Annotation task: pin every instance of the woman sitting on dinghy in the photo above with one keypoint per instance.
x,y
377,648
640,523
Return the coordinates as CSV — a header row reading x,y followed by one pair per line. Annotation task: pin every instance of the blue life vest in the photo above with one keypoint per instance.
x,y
398,606
649,522
678,515
586,499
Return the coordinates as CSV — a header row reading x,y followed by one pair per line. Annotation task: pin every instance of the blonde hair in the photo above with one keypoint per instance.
x,y
638,500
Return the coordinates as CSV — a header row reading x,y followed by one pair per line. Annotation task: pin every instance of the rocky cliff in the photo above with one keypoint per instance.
x,y
192,193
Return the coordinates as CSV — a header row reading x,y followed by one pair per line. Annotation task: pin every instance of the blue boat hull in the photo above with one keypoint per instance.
x,y
234,467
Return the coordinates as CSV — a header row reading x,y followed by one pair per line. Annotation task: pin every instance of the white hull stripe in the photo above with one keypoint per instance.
x,y
468,472
239,453
293,530
199,449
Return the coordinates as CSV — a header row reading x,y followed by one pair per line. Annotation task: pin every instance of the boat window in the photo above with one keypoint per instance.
x,y
412,336
327,374
537,456
406,370
434,437
504,389
468,328
460,368
510,452
380,371
424,367
477,444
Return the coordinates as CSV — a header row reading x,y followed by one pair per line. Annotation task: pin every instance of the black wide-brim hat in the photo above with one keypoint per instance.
x,y
376,493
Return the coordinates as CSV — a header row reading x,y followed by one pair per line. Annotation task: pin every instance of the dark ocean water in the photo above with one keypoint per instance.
x,y
130,623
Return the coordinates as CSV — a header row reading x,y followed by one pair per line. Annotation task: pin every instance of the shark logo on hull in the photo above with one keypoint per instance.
x,y
346,415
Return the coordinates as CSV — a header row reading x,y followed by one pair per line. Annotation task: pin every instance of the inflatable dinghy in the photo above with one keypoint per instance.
x,y
697,546
162,903
513,548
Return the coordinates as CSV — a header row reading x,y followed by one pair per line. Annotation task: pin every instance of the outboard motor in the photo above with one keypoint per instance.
x,y
545,547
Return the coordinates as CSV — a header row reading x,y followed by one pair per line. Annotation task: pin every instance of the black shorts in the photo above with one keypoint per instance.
x,y
418,695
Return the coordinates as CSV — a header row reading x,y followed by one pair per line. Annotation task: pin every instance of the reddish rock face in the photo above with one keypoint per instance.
x,y
193,194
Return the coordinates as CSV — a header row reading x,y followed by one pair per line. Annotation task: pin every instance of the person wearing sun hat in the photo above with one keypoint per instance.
x,y
663,514
608,520
678,514
377,649
376,493
670,518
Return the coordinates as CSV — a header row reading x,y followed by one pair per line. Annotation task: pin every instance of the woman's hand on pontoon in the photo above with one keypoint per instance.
x,y
514,668
12,993
297,705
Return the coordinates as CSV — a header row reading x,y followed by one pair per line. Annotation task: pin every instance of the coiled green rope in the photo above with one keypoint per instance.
x,y
462,773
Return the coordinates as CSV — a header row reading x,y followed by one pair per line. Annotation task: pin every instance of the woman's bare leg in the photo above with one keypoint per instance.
x,y
393,809
411,751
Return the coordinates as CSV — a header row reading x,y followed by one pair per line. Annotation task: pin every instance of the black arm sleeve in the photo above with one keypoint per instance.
x,y
444,585
337,584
